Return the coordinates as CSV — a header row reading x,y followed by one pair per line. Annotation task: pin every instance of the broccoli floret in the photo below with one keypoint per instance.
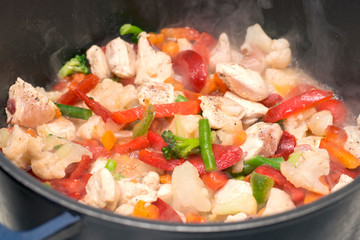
x,y
76,64
178,147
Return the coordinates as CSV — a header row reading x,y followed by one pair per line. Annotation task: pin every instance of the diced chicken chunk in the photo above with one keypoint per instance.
x,y
297,125
156,93
279,201
131,192
95,127
98,64
102,190
244,82
152,180
310,166
343,181
121,58
253,58
236,218
60,127
220,110
236,196
28,107
152,66
221,53
352,143
125,209
98,164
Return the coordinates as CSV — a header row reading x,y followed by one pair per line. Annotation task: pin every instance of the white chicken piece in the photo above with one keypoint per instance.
x,y
343,181
131,192
16,148
236,56
125,209
280,55
189,191
309,167
50,156
52,95
184,44
253,58
98,64
297,125
165,193
60,127
95,127
152,66
244,82
319,122
279,201
98,164
28,107
121,58
352,143
102,190
156,93
236,218
152,180
236,196
114,96
253,110
221,53
220,110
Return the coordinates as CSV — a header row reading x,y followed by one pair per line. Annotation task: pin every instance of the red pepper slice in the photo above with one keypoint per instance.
x,y
135,144
156,159
335,134
95,148
203,45
272,100
335,172
161,110
215,180
338,110
84,86
80,167
191,66
296,104
286,145
166,212
74,188
156,141
297,194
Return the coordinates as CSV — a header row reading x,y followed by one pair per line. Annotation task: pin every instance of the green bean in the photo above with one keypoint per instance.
x,y
181,98
74,112
205,145
130,29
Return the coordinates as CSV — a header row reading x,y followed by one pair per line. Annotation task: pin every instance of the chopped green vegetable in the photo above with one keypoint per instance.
x,y
261,186
58,146
130,29
74,112
48,184
258,160
205,145
118,176
181,98
178,147
111,165
142,127
76,64
294,157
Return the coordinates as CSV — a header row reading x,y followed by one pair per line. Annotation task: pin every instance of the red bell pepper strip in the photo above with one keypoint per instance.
x,y
84,86
335,134
135,144
203,45
272,100
156,159
161,110
74,188
297,194
335,172
166,212
95,148
81,167
296,104
338,110
286,145
156,141
215,180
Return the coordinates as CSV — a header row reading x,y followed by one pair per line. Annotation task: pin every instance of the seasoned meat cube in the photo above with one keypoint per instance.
x,y
98,63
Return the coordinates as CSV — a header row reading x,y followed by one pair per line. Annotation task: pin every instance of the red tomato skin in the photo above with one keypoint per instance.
x,y
338,110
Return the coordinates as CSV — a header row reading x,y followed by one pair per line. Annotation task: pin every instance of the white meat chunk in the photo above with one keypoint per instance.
x,y
244,82
165,193
114,96
253,58
60,127
152,180
98,164
262,139
343,181
221,53
220,110
253,110
28,107
125,209
102,190
131,192
152,66
189,191
95,127
16,148
278,202
156,93
235,197
98,64
50,156
52,95
121,57
236,218
297,125
280,55
352,143
309,167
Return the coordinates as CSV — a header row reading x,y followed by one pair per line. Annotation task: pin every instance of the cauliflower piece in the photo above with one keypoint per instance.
x,y
125,209
221,53
121,58
156,93
343,181
187,126
131,192
98,165
28,107
279,201
297,124
95,127
152,180
220,110
236,196
319,122
280,55
60,127
244,82
50,156
256,36
236,218
165,192
253,58
16,148
152,66
98,64
114,96
352,143
253,110
189,191
282,80
310,166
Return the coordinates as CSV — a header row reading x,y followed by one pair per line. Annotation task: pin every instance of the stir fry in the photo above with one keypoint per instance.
x,y
179,126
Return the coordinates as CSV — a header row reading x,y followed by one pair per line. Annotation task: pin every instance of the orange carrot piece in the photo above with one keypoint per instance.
x,y
194,218
311,197
240,138
171,48
166,178
143,209
31,132
108,140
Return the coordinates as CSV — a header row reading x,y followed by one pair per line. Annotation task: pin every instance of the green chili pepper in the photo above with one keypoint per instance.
x,y
181,98
261,186
74,112
130,29
205,145
141,128
111,165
